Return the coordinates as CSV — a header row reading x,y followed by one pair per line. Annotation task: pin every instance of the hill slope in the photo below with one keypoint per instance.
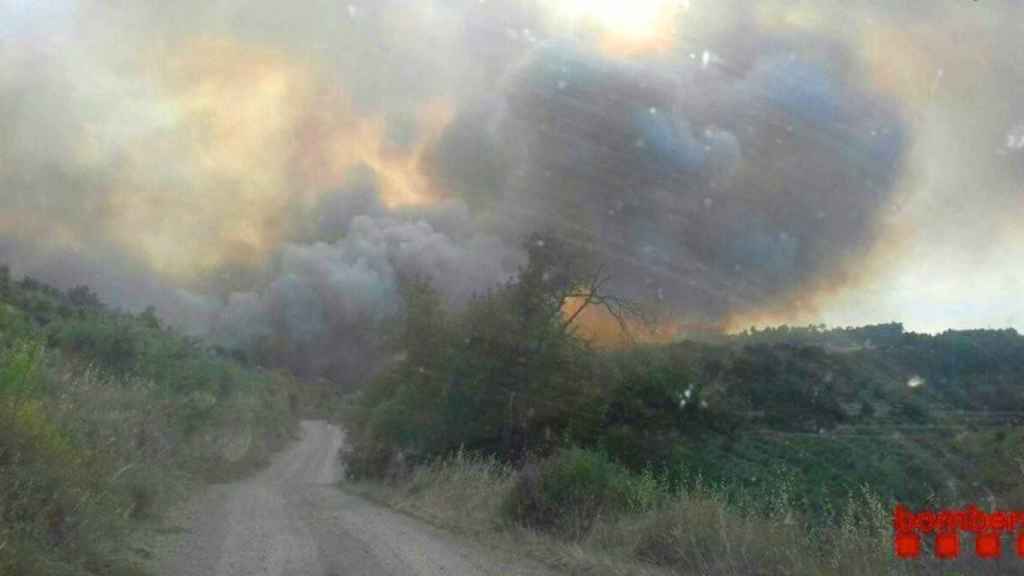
x,y
106,417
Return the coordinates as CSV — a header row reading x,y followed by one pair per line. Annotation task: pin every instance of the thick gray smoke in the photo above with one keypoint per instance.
x,y
708,191
329,305
716,190
263,173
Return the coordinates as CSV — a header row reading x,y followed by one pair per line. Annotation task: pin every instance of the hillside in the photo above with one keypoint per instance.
x,y
816,427
914,416
502,415
106,418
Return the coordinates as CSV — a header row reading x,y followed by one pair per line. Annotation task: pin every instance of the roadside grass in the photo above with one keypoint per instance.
x,y
108,418
87,458
583,515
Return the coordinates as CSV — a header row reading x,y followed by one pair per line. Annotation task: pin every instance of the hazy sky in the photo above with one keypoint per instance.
x,y
253,167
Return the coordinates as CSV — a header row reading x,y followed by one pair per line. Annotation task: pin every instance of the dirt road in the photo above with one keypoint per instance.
x,y
292,520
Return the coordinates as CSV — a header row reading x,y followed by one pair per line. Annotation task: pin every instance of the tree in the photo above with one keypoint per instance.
x,y
912,410
403,408
566,280
149,318
547,376
82,297
422,335
507,375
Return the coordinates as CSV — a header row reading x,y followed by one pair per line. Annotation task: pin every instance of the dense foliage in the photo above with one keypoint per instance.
x,y
914,417
105,418
504,376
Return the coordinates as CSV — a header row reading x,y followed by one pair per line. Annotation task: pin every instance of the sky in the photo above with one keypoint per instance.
x,y
256,169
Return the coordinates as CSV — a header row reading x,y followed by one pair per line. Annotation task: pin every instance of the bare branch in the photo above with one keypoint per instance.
x,y
592,292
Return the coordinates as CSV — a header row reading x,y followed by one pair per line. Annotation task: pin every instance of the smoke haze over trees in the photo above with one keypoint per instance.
x,y
265,175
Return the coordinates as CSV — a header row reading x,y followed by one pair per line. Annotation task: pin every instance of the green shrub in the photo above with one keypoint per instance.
x,y
108,423
19,370
570,490
645,491
369,462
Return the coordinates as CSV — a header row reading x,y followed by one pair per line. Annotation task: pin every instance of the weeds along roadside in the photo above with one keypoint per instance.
x,y
581,513
663,456
106,419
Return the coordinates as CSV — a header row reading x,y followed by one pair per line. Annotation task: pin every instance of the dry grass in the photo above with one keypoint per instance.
x,y
87,458
693,532
461,493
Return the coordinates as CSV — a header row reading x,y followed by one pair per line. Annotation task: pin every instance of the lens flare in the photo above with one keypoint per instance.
x,y
623,28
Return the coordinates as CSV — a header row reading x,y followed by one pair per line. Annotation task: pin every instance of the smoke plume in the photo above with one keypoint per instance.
x,y
262,172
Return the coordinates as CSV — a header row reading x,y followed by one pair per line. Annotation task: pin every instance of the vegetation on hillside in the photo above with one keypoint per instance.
x,y
106,417
847,420
777,450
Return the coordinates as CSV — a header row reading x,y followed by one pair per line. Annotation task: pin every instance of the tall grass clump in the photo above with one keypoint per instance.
x,y
461,490
574,488
701,530
53,500
582,512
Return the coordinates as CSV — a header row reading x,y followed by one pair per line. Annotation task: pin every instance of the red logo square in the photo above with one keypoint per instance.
x,y
947,545
908,545
987,545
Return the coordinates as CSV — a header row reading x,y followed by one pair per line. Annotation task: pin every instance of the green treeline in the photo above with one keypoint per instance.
x,y
107,417
911,417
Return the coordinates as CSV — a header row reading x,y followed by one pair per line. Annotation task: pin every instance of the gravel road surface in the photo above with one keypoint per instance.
x,y
292,520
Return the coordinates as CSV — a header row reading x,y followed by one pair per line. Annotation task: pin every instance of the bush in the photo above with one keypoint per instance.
x,y
105,419
573,488
464,491
366,458
642,527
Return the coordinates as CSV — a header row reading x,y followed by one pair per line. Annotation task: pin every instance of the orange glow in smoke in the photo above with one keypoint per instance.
x,y
251,135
